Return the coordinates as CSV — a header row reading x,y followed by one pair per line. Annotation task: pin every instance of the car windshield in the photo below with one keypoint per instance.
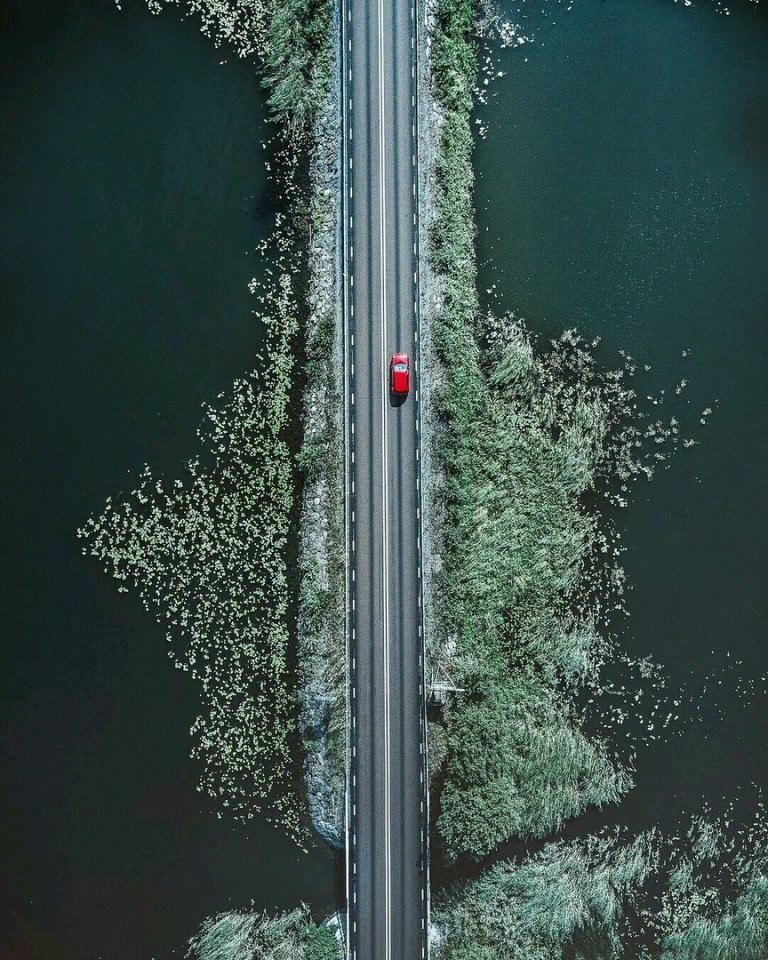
x,y
401,367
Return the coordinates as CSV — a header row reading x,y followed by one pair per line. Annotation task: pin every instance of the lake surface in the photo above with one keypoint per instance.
x,y
133,192
623,189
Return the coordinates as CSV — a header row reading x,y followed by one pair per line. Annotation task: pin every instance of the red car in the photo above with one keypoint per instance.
x,y
399,367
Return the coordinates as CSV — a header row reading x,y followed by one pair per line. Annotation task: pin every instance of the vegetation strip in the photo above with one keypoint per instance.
x,y
523,442
518,439
208,553
322,624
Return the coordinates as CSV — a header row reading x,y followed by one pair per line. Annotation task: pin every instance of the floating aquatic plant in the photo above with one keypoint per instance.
x,y
206,554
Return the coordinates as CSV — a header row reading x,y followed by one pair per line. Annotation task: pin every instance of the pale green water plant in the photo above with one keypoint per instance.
x,y
206,554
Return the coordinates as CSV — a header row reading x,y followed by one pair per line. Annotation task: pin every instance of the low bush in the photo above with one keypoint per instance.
x,y
312,456
321,943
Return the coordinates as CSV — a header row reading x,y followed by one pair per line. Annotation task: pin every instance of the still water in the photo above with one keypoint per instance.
x,y
132,188
623,189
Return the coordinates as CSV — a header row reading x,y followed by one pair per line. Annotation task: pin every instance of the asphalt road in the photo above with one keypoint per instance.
x,y
386,819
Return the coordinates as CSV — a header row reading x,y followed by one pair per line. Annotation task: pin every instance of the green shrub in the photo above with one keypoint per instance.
x,y
296,59
321,943
315,598
320,344
438,749
312,455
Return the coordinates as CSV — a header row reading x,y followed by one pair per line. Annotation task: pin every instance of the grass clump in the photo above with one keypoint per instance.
x,y
253,936
567,901
289,37
521,441
297,59
602,899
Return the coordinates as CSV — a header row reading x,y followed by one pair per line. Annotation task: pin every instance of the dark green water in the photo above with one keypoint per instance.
x,y
623,188
132,188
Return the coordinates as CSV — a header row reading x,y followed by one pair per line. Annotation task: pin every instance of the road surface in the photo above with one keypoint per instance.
x,y
386,819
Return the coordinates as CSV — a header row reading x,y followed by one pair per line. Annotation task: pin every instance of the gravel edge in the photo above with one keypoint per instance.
x,y
322,641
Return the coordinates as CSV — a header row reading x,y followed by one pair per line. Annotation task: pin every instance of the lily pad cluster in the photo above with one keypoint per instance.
x,y
206,554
